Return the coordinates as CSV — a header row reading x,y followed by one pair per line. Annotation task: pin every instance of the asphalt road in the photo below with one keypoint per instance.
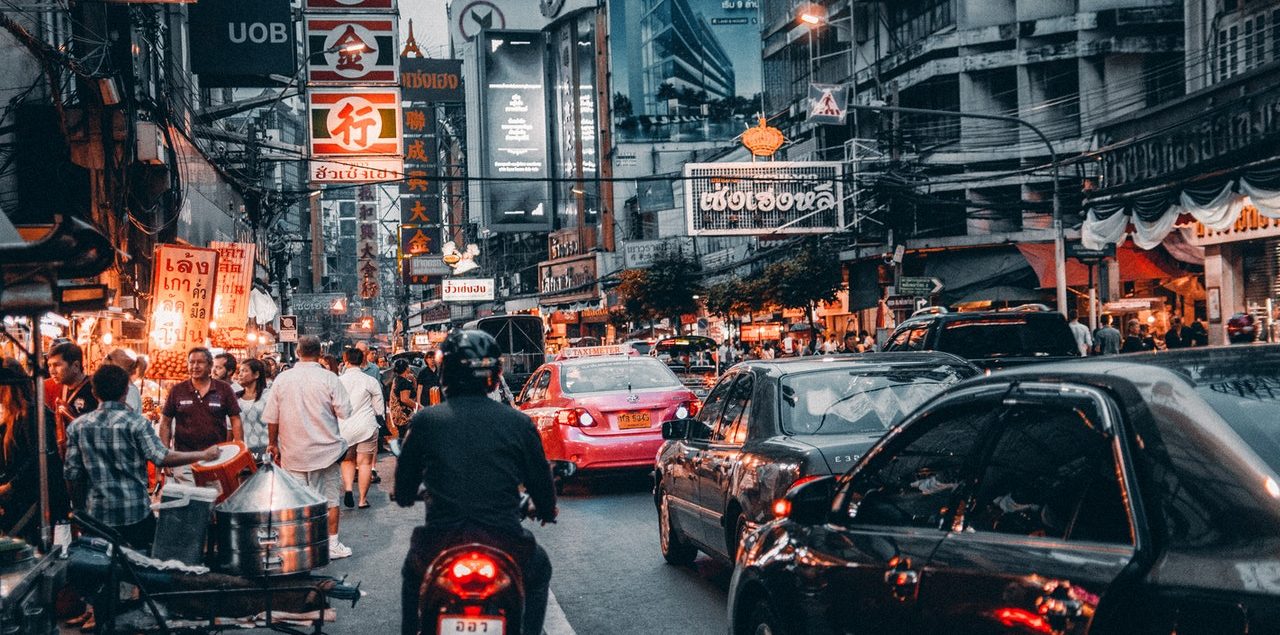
x,y
609,576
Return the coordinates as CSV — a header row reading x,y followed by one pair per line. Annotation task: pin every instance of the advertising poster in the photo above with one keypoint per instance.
x,y
355,121
367,49
514,123
231,299
764,198
241,42
182,306
684,70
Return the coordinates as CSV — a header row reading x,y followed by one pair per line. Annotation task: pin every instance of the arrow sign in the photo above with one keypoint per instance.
x,y
919,287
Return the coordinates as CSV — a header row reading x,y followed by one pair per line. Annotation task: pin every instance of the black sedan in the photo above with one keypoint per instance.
x,y
1138,494
767,424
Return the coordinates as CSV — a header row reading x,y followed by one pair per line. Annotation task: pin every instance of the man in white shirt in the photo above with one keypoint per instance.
x,y
789,346
302,414
1084,339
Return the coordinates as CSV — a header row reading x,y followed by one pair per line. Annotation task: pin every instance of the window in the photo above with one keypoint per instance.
x,y
706,420
1008,336
843,401
1051,474
1222,55
1275,35
916,484
1233,50
919,335
537,387
899,341
734,418
1249,60
619,375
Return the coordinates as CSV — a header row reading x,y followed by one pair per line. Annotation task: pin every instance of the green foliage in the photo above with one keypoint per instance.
x,y
672,281
633,290
811,276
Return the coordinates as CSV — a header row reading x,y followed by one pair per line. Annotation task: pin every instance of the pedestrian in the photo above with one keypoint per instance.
x,y
868,342
368,367
360,430
224,369
272,367
1106,340
1133,338
252,376
427,378
1178,336
1199,334
124,359
107,454
75,396
767,351
790,346
302,414
149,389
1084,339
331,364
20,462
1148,340
199,411
831,345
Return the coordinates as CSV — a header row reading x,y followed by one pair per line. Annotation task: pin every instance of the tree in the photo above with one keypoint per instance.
x,y
622,107
813,275
667,91
673,280
723,299
633,290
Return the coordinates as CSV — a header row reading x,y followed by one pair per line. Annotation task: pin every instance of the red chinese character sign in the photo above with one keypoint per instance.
x,y
182,305
349,5
231,298
355,122
361,50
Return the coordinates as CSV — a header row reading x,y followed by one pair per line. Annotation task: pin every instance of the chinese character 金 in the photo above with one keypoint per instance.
x,y
351,51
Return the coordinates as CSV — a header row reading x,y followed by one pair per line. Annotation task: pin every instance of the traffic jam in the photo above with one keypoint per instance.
x,y
978,476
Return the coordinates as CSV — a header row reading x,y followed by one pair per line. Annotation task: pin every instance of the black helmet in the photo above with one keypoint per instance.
x,y
468,359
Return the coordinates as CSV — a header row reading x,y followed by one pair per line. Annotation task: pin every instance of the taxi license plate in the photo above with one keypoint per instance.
x,y
462,624
633,420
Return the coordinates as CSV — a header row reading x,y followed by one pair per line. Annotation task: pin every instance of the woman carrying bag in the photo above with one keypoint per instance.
x,y
360,430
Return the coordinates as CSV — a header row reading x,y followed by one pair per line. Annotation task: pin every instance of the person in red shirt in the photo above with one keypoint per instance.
x,y
199,412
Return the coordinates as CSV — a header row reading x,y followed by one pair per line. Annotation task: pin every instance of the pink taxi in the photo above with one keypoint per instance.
x,y
604,412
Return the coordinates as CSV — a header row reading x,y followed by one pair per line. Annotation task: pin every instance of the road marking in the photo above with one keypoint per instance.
x,y
556,623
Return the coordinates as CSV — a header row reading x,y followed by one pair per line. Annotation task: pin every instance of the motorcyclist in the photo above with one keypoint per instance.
x,y
473,453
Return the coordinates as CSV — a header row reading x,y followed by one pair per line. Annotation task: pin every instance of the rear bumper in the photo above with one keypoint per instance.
x,y
586,452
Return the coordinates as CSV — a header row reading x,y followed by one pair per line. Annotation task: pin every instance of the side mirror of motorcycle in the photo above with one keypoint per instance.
x,y
675,430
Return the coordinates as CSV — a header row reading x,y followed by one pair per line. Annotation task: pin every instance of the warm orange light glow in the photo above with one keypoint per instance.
x,y
809,18
1011,617
781,508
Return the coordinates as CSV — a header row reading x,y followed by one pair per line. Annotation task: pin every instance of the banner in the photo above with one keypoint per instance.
x,y
182,291
368,256
513,123
828,104
766,198
241,42
367,49
231,298
427,80
358,170
355,121
467,290
417,241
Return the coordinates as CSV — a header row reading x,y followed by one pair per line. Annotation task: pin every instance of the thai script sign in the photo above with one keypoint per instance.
x,y
358,170
467,290
567,281
182,306
231,299
355,122
316,302
352,49
1249,225
739,199
430,80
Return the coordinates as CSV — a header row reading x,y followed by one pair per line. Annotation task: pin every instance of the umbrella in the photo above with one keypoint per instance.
x,y
799,327
1000,294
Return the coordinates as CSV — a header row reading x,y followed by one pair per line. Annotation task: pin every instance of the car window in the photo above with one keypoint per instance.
x,y
705,421
616,375
737,409
536,388
898,341
917,480
1051,473
1014,335
916,342
841,401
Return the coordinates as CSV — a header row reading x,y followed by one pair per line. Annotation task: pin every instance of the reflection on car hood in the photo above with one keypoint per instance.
x,y
840,451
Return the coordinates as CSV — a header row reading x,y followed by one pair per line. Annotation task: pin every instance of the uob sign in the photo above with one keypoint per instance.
x,y
241,42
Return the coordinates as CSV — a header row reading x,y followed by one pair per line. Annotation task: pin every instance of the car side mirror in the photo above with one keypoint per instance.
x,y
675,430
808,503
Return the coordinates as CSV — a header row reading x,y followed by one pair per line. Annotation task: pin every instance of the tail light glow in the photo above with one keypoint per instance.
x,y
474,575
577,417
782,507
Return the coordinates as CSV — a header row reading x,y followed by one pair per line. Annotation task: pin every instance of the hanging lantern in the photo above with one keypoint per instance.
x,y
763,140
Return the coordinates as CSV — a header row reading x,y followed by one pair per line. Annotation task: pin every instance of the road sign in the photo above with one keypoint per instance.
x,y
921,287
903,302
1078,251
288,328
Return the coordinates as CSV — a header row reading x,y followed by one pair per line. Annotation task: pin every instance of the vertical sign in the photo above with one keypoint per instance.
x,y
423,83
367,249
182,305
514,123
231,297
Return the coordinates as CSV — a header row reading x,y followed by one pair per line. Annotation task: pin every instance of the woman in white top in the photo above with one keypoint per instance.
x,y
252,376
360,429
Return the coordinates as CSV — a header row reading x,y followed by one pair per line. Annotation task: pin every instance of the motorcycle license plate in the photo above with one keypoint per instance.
x,y
633,420
464,624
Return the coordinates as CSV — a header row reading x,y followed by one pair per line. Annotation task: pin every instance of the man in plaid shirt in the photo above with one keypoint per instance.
x,y
107,454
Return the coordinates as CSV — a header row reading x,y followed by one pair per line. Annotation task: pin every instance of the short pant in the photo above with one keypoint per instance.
x,y
327,482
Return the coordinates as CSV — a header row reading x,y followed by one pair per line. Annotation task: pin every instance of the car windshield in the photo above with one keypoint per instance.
x,y
841,401
619,374
1250,404
1012,336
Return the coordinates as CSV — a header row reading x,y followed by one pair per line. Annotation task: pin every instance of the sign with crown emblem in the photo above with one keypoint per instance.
x,y
362,49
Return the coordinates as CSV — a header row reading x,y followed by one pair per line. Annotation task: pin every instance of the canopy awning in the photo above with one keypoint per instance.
x,y
1134,264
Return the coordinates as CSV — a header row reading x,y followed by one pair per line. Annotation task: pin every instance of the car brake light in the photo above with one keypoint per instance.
x,y
688,409
474,575
782,507
576,417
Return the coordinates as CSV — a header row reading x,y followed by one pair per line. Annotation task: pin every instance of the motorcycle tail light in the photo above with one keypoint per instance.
x,y
474,576
577,417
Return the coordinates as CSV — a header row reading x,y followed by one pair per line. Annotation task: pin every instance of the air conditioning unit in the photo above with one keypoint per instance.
x,y
151,147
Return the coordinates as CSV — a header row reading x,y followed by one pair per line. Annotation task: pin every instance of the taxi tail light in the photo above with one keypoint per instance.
x,y
781,508
693,406
577,417
474,576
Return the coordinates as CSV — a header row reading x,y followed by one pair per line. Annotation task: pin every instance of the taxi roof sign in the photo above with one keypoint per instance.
x,y
594,351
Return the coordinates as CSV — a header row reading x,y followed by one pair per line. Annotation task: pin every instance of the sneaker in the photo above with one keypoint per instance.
x,y
337,550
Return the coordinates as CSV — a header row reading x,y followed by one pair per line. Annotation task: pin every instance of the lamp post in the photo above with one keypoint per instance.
x,y
814,15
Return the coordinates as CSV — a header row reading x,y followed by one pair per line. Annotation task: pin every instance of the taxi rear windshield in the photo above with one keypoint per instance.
x,y
617,375
1013,336
841,401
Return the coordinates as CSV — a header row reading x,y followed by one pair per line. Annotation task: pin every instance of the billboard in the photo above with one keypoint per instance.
x,y
684,70
241,42
423,79
355,121
367,52
514,126
467,290
349,5
764,198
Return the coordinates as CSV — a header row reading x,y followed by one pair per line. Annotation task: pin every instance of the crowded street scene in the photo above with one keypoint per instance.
x,y
753,317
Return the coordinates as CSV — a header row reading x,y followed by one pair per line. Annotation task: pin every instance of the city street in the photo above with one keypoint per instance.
x,y
609,576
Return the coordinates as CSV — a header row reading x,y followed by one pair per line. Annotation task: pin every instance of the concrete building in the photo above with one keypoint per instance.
x,y
946,182
676,48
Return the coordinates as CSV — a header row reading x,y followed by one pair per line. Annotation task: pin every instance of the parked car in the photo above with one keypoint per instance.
x,y
767,424
604,412
990,339
1126,495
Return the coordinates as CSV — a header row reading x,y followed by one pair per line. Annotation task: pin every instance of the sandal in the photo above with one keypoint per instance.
x,y
364,505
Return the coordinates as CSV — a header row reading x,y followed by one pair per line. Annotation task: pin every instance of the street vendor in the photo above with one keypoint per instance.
x,y
200,411
107,453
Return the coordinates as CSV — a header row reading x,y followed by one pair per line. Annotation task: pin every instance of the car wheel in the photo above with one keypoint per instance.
x,y
739,532
763,621
674,550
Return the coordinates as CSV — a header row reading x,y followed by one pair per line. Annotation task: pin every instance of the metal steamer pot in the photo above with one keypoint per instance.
x,y
272,525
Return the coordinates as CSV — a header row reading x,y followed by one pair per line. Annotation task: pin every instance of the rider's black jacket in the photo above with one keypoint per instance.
x,y
473,453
